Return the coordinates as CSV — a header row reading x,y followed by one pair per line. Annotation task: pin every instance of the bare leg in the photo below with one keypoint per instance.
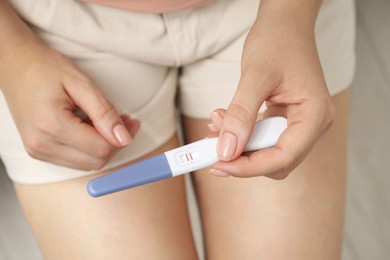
x,y
147,222
259,218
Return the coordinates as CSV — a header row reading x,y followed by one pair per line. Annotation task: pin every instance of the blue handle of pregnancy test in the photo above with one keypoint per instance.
x,y
149,170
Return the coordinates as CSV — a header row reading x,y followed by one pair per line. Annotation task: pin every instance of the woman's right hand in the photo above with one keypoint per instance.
x,y
44,90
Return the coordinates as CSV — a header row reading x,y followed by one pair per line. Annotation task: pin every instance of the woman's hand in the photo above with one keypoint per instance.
x,y
44,90
280,65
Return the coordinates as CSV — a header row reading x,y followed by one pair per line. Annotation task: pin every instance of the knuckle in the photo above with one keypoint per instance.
x,y
78,79
279,176
329,116
48,126
104,153
104,108
240,113
329,113
98,165
35,147
84,81
288,166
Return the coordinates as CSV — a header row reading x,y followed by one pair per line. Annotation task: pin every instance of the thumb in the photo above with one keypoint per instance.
x,y
100,111
240,117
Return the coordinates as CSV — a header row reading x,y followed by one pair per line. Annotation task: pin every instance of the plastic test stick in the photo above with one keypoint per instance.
x,y
187,158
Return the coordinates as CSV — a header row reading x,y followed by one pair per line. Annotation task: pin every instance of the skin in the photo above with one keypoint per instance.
x,y
55,88
149,222
298,218
286,73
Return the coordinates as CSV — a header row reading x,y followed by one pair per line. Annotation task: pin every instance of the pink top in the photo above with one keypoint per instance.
x,y
154,6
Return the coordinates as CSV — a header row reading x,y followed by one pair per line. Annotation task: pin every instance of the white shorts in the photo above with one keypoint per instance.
x,y
135,60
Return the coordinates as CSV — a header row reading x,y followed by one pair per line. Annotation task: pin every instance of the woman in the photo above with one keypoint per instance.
x,y
80,80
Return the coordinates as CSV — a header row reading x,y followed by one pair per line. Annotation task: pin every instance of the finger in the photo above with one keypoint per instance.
x,y
212,127
213,134
63,155
217,118
78,134
277,162
240,117
132,125
89,141
102,114
81,136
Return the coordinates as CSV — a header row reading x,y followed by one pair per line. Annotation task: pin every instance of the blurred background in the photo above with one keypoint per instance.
x,y
367,226
367,231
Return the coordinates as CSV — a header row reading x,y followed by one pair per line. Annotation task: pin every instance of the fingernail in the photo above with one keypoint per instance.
x,y
121,134
227,146
219,173
216,119
214,114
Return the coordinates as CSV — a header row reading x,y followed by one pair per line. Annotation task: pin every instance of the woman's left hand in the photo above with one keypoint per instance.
x,y
280,66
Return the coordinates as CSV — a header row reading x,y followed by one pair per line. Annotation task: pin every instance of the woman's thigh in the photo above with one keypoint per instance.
x,y
147,222
300,217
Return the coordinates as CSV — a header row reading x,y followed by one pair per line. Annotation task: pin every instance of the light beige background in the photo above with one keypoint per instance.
x,y
367,231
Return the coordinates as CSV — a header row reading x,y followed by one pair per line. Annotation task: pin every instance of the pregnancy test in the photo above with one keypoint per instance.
x,y
187,158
